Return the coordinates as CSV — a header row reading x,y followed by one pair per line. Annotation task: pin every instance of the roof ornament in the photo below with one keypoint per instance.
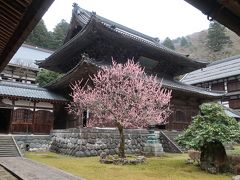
x,y
75,5
76,8
156,39
113,26
94,13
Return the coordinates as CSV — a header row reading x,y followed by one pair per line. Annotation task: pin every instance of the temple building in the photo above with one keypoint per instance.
x,y
24,107
221,75
92,41
22,67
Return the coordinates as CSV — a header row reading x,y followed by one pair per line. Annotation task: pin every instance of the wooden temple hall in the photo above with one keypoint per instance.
x,y
24,108
92,41
27,108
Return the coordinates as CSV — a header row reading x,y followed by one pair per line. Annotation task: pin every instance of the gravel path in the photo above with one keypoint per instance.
x,y
31,170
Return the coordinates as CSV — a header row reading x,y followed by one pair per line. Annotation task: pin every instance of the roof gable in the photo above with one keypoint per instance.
x,y
103,39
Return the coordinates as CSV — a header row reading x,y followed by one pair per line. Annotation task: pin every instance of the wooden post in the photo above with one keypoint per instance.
x,y
11,118
33,120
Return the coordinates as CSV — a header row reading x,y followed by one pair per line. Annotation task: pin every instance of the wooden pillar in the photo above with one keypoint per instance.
x,y
33,120
11,117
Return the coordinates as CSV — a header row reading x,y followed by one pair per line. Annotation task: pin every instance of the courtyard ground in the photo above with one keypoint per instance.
x,y
168,167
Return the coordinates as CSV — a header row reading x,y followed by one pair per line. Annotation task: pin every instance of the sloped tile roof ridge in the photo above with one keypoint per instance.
x,y
189,88
21,85
83,60
224,60
68,42
37,48
15,89
217,70
85,16
80,12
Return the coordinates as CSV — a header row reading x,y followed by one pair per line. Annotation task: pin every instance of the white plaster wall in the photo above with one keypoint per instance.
x,y
24,103
7,101
44,105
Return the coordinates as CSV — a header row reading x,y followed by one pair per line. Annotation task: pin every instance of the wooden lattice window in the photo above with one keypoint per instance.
x,y
233,85
218,86
234,103
23,115
43,117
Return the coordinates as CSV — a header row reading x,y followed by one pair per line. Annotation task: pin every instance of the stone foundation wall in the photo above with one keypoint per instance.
x,y
94,141
33,142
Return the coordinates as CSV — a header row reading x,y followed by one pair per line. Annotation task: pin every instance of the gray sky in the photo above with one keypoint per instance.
x,y
156,18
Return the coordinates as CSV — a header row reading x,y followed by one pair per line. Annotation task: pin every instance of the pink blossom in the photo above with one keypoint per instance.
x,y
122,94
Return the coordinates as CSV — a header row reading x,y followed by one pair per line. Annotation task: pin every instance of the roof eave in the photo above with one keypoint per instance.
x,y
225,12
52,62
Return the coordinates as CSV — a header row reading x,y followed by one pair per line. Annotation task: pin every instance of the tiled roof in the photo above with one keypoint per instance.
x,y
231,112
176,85
27,91
85,16
217,70
89,31
87,66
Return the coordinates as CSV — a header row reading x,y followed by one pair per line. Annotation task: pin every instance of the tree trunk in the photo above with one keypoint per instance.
x,y
213,157
121,149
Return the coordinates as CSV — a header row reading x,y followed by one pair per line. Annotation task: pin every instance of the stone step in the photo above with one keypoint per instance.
x,y
4,153
172,145
8,147
9,155
6,144
7,150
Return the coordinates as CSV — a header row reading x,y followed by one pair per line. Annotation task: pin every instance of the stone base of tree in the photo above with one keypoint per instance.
x,y
214,158
153,149
114,159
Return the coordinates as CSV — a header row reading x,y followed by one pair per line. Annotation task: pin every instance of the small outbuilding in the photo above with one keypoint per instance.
x,y
26,108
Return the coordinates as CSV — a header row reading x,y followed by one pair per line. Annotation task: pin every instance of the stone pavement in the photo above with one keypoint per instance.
x,y
30,170
5,175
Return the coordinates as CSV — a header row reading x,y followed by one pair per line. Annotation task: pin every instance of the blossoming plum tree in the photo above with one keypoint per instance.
x,y
124,96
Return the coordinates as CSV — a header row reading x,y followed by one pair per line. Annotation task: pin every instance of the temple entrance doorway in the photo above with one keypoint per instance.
x,y
5,115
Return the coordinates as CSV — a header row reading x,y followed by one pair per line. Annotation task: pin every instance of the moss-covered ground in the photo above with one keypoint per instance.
x,y
168,167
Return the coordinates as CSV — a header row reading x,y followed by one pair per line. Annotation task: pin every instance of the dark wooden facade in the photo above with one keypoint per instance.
x,y
231,85
26,108
32,119
182,114
28,121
